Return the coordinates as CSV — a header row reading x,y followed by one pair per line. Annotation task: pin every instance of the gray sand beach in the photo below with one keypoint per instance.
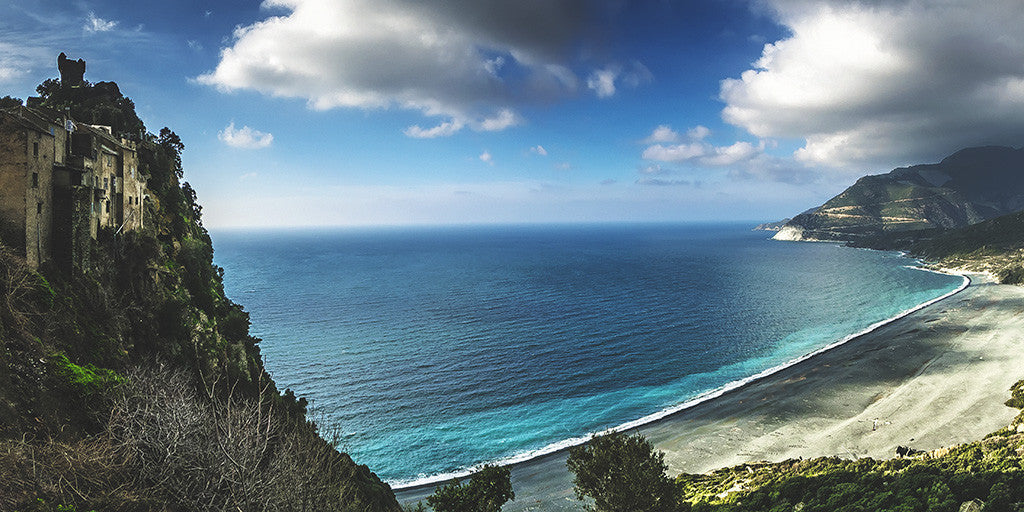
x,y
932,379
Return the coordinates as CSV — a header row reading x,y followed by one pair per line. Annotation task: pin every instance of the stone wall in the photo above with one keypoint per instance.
x,y
13,144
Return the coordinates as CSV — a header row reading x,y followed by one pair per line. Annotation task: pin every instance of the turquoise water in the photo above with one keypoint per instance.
x,y
436,349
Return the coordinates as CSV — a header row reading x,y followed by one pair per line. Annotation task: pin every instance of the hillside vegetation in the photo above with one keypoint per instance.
x,y
995,246
136,385
984,475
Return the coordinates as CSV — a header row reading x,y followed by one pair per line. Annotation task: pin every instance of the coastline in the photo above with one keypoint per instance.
x,y
430,483
725,427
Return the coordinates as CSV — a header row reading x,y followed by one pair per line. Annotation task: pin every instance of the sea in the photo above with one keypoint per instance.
x,y
433,350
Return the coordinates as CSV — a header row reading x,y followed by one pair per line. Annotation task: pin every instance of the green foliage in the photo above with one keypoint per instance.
x,y
1012,274
486,491
622,473
101,104
1016,396
87,379
989,470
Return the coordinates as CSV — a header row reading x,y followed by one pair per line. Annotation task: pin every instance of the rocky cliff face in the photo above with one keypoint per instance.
x,y
970,186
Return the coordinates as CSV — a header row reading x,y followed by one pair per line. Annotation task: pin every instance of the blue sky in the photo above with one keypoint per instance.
x,y
358,112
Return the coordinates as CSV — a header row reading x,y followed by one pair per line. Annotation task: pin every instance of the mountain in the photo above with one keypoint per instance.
x,y
967,187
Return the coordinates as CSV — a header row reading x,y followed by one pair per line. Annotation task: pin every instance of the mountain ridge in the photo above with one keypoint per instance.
x,y
967,187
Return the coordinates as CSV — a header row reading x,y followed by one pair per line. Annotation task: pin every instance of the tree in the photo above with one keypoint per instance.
x,y
8,102
622,474
172,145
486,491
48,88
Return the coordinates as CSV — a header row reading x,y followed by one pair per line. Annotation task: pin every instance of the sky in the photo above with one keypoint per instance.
x,y
396,112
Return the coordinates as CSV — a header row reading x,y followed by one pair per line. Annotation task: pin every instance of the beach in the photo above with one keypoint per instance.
x,y
931,379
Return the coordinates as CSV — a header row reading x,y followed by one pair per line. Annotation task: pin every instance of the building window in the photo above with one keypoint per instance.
x,y
113,184
39,207
35,149
106,207
35,180
106,182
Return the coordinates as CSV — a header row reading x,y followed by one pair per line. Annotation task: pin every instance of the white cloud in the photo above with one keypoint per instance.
x,y
471,62
442,130
729,155
675,153
702,153
602,82
244,137
95,24
539,150
886,82
662,134
486,157
698,132
504,119
563,166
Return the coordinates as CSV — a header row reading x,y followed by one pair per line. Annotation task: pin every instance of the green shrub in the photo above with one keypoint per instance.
x,y
88,380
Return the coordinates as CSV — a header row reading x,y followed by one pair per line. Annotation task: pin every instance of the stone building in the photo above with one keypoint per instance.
x,y
61,182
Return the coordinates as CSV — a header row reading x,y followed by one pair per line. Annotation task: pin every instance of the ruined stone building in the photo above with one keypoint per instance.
x,y
61,182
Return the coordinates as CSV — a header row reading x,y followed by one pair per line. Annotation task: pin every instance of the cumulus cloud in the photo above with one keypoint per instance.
x,y
675,153
603,81
698,132
244,137
95,24
696,149
486,157
539,150
442,130
886,82
662,134
504,119
468,61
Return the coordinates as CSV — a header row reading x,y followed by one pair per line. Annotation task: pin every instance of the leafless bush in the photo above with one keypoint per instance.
x,y
89,470
221,452
17,283
167,447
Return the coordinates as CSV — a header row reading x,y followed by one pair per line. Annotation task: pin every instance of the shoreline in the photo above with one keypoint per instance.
x,y
929,380
560,448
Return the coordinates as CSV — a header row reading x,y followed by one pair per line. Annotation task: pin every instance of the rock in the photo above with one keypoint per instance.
x,y
790,234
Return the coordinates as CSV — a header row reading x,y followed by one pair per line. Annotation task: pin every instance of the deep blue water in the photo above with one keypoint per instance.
x,y
435,349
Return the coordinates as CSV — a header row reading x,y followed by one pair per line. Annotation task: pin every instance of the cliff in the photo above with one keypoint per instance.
x,y
965,188
134,384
